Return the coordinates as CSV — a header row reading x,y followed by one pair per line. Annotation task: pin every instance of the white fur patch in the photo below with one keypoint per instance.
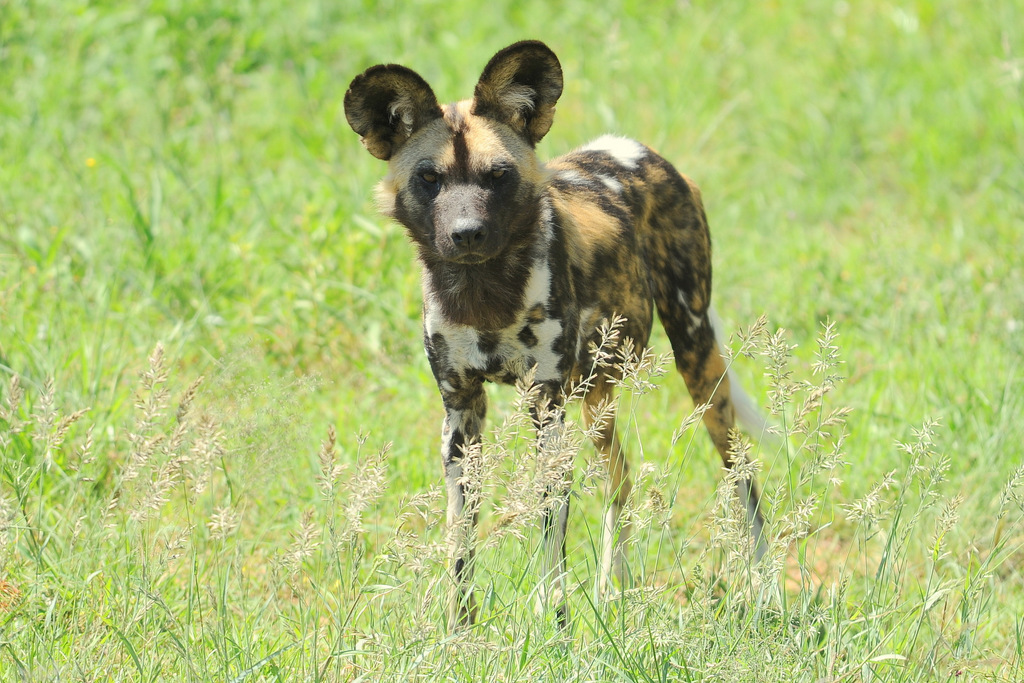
x,y
611,183
538,286
432,320
546,358
538,290
462,340
571,176
695,320
627,152
402,108
464,348
517,100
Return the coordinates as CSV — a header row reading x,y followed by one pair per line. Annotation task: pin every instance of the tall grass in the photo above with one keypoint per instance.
x,y
140,565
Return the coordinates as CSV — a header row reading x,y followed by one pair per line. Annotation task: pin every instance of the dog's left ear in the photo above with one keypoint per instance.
x,y
386,104
519,87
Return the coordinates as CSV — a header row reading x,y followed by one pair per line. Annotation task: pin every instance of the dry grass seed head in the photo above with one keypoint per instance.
x,y
827,356
156,493
159,460
84,456
948,518
207,446
367,484
541,475
921,446
557,448
632,512
829,461
1011,493
151,398
603,351
416,518
528,392
331,471
729,526
223,522
796,524
599,417
12,405
51,428
749,340
927,467
690,421
544,468
655,510
150,402
56,440
172,448
44,415
778,353
520,505
304,544
744,468
475,475
810,406
174,546
185,404
868,510
637,370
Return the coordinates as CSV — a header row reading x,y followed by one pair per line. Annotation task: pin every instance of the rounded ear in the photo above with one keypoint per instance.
x,y
386,104
519,87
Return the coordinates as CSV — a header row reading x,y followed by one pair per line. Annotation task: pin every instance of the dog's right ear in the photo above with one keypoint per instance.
x,y
386,104
519,87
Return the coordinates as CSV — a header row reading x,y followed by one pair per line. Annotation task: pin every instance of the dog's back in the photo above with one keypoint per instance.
x,y
636,234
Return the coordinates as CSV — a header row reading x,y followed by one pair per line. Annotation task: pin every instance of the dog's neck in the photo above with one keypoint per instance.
x,y
488,296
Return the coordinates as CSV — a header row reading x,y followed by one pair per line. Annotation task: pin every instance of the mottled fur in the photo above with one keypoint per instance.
x,y
522,261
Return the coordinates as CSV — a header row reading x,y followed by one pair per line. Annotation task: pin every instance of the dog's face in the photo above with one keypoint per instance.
x,y
463,179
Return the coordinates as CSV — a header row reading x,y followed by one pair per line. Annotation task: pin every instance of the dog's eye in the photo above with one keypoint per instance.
x,y
429,178
497,173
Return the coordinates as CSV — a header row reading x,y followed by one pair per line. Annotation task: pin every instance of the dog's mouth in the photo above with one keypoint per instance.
x,y
470,259
474,255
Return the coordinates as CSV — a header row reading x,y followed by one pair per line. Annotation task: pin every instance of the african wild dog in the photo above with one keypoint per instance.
x,y
522,261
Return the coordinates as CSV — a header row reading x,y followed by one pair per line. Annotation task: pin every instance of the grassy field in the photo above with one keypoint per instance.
x,y
197,295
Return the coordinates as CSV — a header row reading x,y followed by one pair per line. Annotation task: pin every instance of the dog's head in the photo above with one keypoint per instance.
x,y
463,178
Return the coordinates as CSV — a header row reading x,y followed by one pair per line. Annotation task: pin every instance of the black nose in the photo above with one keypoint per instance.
x,y
468,234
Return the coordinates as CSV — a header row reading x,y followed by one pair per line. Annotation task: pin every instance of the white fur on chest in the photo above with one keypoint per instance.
x,y
468,352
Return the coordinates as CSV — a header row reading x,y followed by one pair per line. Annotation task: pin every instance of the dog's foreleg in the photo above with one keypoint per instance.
x,y
459,436
553,591
557,462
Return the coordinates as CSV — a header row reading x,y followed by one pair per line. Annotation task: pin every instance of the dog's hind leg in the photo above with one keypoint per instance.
x,y
699,361
599,415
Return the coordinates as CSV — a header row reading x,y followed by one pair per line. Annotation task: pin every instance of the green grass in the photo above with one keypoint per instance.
x,y
181,173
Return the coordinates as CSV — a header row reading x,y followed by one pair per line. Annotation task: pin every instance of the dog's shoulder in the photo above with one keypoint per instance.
x,y
604,161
